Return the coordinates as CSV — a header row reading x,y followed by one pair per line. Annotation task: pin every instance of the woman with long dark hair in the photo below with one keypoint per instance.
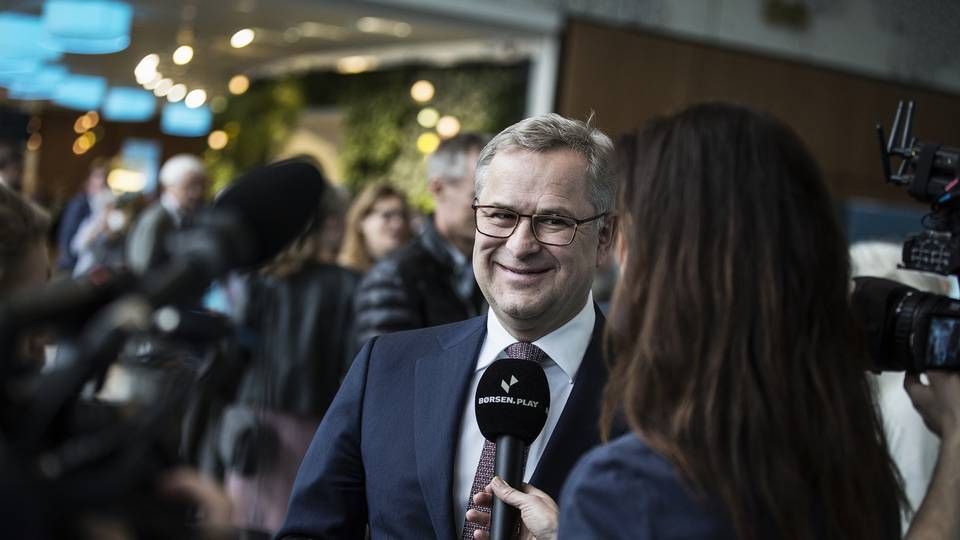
x,y
736,364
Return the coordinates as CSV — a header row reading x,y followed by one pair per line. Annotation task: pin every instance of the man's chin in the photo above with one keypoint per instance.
x,y
521,311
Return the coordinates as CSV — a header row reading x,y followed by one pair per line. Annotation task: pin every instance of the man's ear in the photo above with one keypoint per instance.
x,y
435,186
606,237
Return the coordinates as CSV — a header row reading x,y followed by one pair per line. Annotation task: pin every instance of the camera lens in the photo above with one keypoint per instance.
x,y
906,329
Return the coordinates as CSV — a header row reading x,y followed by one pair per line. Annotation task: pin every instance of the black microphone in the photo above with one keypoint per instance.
x,y
512,402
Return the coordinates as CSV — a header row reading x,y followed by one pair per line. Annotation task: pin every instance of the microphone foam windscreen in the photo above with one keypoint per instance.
x,y
275,203
513,398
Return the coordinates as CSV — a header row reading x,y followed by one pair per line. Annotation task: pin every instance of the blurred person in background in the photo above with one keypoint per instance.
x,y
378,223
11,165
430,280
913,446
298,312
76,211
101,241
184,181
24,262
736,359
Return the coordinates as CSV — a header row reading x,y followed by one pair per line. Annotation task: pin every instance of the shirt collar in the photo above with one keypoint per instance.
x,y
565,345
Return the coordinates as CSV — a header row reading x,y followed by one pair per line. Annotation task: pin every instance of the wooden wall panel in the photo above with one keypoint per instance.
x,y
61,173
626,76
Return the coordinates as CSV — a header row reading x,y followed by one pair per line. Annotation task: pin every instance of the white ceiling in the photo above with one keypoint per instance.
x,y
286,29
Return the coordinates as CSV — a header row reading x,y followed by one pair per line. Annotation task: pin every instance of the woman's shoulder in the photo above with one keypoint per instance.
x,y
625,489
625,458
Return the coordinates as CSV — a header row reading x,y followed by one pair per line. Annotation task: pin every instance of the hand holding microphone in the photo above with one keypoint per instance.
x,y
512,402
539,513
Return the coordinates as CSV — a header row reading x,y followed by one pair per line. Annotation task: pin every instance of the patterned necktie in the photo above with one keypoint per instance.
x,y
524,351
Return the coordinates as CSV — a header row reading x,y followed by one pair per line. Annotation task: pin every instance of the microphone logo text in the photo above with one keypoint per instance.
x,y
508,400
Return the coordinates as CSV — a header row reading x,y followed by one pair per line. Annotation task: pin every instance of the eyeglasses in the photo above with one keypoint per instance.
x,y
549,229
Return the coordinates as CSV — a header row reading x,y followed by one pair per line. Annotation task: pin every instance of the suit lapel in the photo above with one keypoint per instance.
x,y
442,381
577,430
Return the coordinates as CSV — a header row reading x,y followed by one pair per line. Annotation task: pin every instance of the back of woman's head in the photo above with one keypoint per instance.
x,y
741,363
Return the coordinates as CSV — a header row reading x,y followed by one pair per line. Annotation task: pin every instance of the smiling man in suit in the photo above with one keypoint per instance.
x,y
399,450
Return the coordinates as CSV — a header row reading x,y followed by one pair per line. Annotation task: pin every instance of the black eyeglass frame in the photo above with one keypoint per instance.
x,y
576,222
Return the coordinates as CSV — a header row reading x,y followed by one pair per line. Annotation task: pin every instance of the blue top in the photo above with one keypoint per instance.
x,y
627,490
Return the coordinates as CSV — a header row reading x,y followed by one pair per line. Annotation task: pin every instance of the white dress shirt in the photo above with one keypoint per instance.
x,y
565,346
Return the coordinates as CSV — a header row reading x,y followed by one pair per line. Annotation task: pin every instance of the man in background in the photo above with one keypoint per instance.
x,y
184,182
430,280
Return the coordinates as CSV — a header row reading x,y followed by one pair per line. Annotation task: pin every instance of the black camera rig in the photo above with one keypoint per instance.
x,y
929,171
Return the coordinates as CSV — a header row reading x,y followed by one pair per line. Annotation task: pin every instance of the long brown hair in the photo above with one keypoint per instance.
x,y
736,356
354,252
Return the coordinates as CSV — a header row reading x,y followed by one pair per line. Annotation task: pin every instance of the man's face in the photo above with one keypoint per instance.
x,y
535,288
189,192
454,197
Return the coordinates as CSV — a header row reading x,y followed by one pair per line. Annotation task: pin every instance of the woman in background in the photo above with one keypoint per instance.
x,y
377,223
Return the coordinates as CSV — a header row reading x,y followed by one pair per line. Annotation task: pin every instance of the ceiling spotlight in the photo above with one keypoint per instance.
x,y
312,29
177,92
195,98
242,38
356,64
422,91
428,117
162,87
146,68
428,142
183,55
377,25
238,84
448,126
218,139
152,83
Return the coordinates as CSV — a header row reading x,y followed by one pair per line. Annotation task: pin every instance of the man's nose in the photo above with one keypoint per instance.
x,y
523,241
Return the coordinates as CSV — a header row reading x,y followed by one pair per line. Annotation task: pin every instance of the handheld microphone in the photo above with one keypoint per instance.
x,y
512,402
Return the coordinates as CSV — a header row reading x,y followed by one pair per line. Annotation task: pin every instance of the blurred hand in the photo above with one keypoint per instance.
x,y
938,403
538,512
187,484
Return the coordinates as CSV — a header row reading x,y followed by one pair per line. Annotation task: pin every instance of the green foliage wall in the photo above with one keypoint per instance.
x,y
380,126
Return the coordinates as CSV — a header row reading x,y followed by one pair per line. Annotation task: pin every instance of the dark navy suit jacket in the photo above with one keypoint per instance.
x,y
384,454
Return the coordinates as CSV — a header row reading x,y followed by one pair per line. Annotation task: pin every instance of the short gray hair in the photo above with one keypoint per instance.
x,y
450,158
554,132
179,167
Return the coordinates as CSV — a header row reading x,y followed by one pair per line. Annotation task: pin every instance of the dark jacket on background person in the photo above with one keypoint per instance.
x,y
303,326
299,341
146,246
414,287
76,210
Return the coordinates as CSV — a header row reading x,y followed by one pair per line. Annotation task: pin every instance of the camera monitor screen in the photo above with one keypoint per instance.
x,y
943,342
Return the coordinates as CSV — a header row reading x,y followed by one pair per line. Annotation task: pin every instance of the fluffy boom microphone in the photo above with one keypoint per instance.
x,y
512,402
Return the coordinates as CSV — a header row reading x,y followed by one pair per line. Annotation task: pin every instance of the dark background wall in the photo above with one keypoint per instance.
x,y
626,76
